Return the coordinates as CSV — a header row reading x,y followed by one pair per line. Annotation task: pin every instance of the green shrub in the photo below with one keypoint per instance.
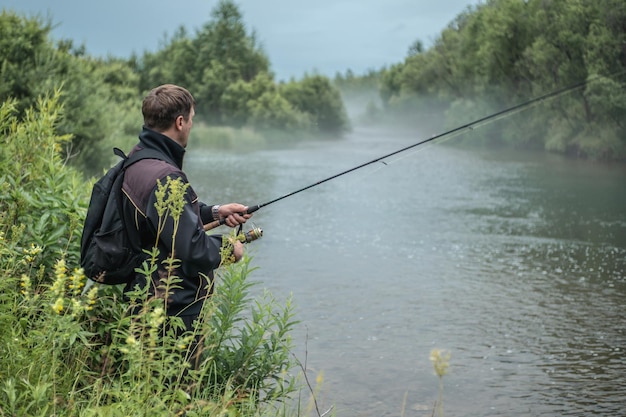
x,y
42,201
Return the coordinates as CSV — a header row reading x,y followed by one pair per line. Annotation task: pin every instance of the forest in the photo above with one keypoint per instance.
x,y
221,64
503,52
492,56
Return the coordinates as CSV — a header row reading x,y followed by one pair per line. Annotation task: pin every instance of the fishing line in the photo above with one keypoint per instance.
x,y
408,154
448,134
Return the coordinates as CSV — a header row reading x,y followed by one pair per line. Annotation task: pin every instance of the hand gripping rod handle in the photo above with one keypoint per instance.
x,y
222,221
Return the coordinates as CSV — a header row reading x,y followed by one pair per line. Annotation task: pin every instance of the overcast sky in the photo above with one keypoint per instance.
x,y
325,36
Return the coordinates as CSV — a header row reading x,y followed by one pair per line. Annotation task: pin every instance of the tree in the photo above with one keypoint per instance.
x,y
272,111
172,64
416,48
27,57
225,54
32,67
315,95
228,74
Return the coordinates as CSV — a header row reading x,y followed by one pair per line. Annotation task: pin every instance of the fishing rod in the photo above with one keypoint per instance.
x,y
493,116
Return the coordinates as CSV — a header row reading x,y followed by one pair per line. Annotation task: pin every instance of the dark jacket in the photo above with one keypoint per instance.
x,y
198,253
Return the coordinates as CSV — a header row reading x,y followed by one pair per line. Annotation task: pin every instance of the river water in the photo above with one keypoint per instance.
x,y
513,262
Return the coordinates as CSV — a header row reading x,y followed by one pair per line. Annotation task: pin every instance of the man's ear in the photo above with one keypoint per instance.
x,y
179,122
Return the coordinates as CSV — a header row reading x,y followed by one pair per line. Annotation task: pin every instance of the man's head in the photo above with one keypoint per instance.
x,y
169,109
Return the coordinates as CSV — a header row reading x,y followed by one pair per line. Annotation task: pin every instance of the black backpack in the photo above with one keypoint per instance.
x,y
109,252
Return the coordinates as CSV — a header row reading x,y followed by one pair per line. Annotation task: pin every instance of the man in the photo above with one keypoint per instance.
x,y
168,112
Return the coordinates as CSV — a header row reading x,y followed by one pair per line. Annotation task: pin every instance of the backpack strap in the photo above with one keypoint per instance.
x,y
139,155
120,153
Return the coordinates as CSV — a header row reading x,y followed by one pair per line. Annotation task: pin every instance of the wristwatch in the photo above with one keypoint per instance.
x,y
215,212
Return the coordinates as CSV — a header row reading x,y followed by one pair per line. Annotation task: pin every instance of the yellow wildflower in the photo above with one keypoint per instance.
x,y
227,249
31,253
157,317
60,269
440,360
175,196
91,297
160,203
58,286
26,285
77,280
183,343
320,378
77,307
131,341
58,305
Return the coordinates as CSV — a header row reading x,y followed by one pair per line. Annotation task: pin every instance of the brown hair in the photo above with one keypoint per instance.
x,y
164,104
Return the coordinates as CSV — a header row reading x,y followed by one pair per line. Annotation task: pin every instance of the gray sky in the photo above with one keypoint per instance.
x,y
322,35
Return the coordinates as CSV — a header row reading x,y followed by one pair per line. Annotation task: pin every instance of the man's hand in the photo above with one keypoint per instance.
x,y
238,250
234,214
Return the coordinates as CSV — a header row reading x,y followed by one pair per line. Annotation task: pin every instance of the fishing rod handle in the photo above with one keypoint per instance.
x,y
252,209
222,221
214,224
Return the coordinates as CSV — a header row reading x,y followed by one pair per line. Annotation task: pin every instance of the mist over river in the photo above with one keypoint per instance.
x,y
514,262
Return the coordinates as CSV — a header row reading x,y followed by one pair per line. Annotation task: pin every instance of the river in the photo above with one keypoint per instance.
x,y
514,262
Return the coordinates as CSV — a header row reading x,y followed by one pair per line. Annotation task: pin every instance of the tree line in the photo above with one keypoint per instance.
x,y
491,56
503,52
222,65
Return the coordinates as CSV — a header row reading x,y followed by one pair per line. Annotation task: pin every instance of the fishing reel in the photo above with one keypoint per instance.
x,y
251,235
247,236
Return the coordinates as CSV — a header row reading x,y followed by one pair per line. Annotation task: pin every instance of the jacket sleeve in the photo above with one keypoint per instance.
x,y
205,213
197,251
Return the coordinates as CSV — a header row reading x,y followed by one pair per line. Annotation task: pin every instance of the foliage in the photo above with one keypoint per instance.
x,y
42,202
248,344
225,51
95,94
26,57
69,353
228,73
316,96
222,65
503,52
259,103
493,55
102,97
74,351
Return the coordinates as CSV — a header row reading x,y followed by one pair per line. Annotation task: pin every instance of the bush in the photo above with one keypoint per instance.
x,y
42,202
73,352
